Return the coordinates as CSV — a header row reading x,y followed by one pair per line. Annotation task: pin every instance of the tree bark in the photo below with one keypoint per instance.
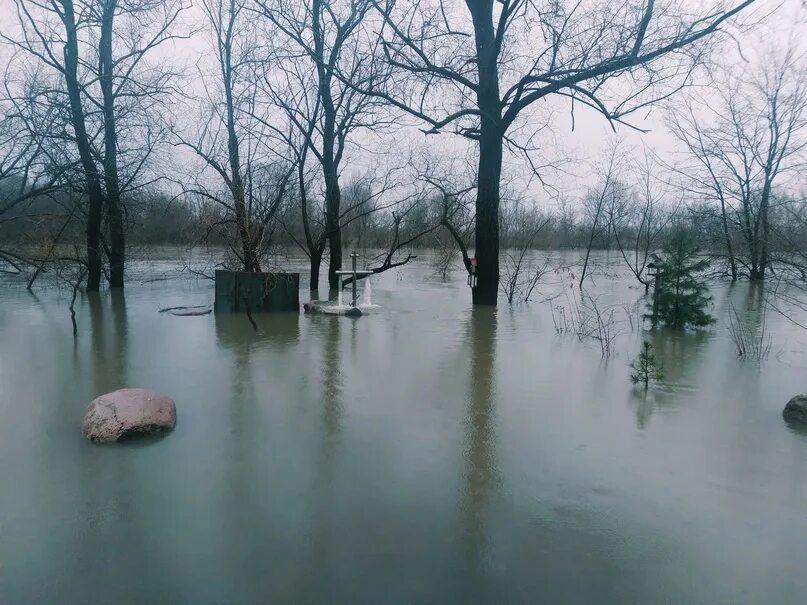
x,y
117,243
316,262
487,219
334,237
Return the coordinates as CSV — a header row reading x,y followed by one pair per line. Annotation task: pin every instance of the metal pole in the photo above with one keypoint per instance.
x,y
354,256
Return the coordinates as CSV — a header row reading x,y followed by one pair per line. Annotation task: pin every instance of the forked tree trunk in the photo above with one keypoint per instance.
x,y
95,194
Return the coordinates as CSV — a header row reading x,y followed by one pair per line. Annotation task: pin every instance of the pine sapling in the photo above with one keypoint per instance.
x,y
680,296
646,366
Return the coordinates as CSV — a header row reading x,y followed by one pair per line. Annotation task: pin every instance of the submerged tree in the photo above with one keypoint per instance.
x,y
312,42
236,143
50,35
27,175
646,366
746,147
90,61
680,297
480,67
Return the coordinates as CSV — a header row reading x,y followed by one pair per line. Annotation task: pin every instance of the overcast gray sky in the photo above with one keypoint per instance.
x,y
591,134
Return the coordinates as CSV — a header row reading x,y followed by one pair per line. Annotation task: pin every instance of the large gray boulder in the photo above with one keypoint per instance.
x,y
128,412
796,409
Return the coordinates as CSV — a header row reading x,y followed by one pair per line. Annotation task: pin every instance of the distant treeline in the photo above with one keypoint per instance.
x,y
157,218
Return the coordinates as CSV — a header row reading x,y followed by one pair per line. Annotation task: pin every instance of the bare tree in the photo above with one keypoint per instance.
x,y
40,190
237,144
448,203
463,66
368,198
320,47
50,33
452,206
598,199
587,319
791,235
26,176
748,143
519,280
639,218
752,341
789,299
704,178
90,57
407,229
788,296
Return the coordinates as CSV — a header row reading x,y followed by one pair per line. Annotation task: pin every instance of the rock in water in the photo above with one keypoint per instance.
x,y
128,412
796,409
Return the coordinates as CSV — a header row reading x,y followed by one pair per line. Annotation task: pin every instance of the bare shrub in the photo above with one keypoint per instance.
x,y
587,319
751,342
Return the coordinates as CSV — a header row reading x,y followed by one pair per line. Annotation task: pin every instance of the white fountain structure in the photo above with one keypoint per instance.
x,y
357,305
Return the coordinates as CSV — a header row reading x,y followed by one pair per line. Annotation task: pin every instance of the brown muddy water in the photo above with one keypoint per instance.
x,y
425,453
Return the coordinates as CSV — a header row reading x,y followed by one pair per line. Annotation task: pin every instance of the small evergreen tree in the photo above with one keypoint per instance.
x,y
680,297
646,366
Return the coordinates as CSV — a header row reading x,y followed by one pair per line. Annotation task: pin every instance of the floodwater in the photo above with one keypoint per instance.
x,y
425,453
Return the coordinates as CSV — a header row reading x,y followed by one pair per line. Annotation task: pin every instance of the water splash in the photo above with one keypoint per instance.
x,y
366,298
364,302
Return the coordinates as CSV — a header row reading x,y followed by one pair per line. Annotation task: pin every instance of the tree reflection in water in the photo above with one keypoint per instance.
x,y
480,473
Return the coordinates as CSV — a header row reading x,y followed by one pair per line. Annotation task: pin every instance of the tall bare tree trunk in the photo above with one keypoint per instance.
x,y
491,137
236,184
330,169
117,243
93,183
487,219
